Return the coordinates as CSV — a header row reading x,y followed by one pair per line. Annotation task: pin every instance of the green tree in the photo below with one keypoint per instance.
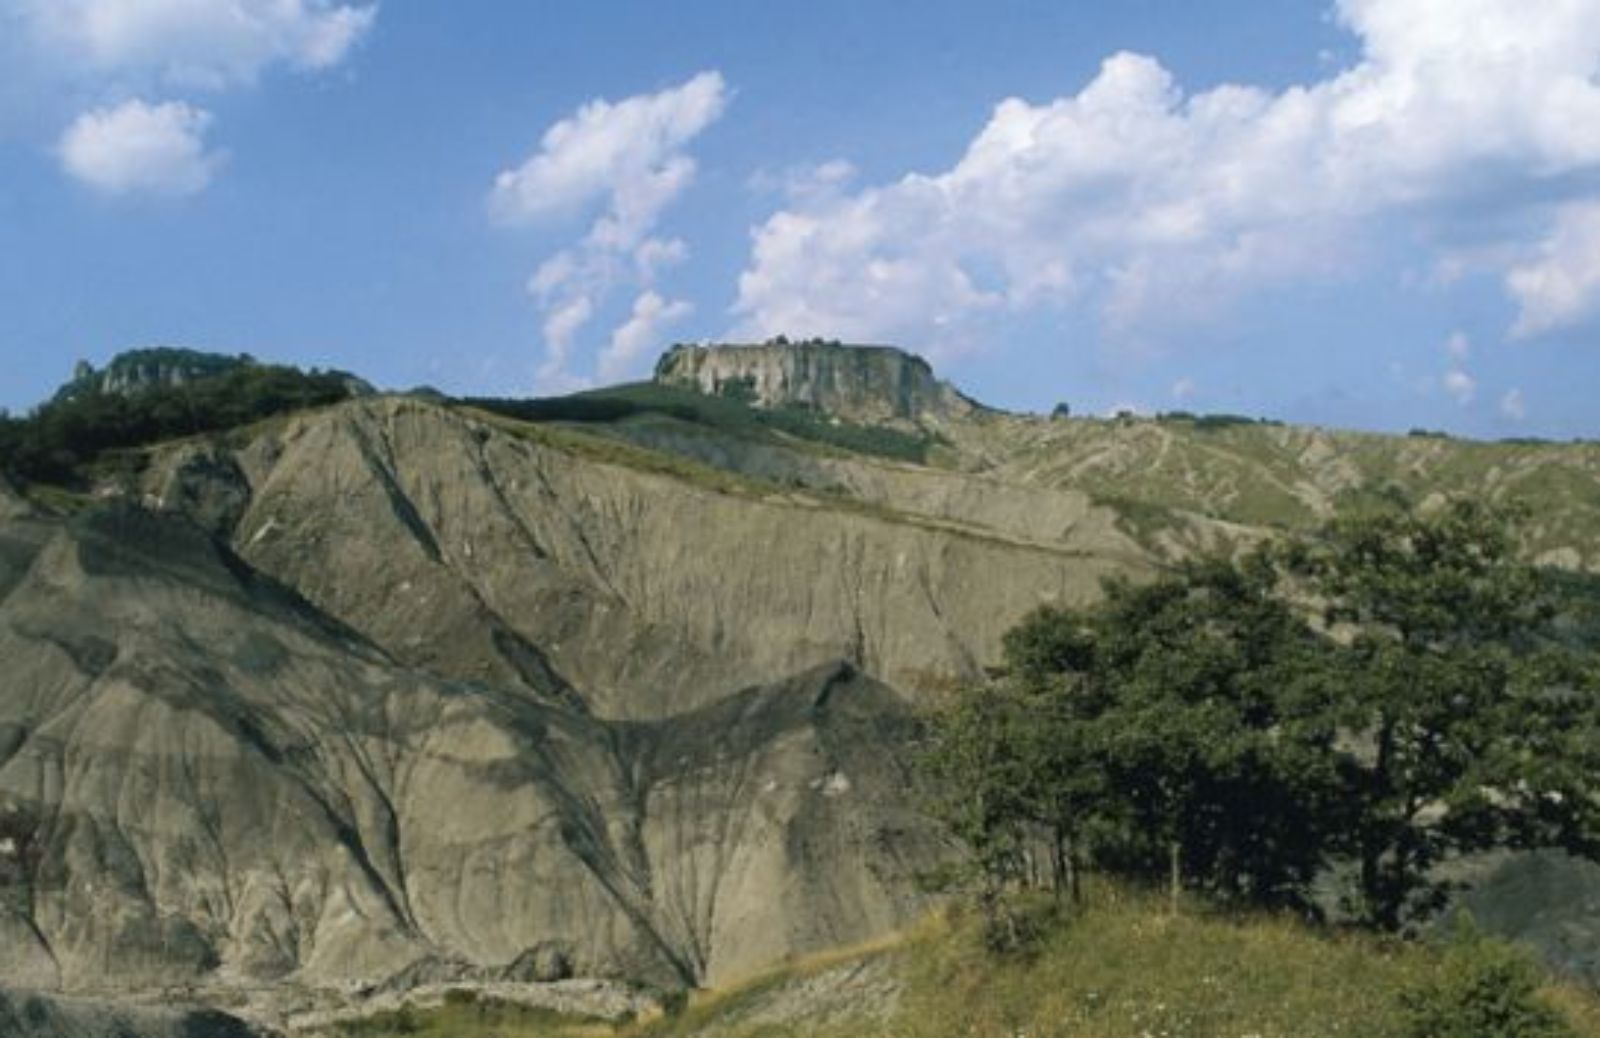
x,y
1018,776
981,773
1203,730
1215,736
1173,731
1469,727
56,441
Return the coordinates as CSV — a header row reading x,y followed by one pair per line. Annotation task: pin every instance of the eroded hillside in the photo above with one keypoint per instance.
x,y
406,688
1277,476
205,780
493,551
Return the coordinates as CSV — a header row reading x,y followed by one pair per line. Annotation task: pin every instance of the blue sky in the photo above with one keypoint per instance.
x,y
1370,213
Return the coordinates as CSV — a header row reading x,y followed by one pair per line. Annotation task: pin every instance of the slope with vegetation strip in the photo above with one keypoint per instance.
x,y
1121,965
643,401
1292,477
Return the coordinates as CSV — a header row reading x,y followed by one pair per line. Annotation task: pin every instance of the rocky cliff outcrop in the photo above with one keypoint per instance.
x,y
865,384
133,371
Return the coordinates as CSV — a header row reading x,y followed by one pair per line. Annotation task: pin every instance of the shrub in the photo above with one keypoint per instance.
x,y
1016,925
1484,988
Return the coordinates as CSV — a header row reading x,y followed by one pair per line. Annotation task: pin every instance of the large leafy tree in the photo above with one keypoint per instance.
x,y
1214,735
1393,693
1174,730
1469,726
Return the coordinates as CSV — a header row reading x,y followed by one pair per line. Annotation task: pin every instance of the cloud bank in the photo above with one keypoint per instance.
x,y
205,44
1470,126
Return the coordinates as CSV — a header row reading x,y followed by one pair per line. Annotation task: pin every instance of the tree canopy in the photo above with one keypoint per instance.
x,y
58,438
1474,724
1369,702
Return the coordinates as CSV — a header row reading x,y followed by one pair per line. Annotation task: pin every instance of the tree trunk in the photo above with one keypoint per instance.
x,y
1058,861
1373,838
1175,873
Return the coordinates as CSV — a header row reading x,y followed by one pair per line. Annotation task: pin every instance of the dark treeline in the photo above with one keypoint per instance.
x,y
731,412
1361,706
55,441
1213,422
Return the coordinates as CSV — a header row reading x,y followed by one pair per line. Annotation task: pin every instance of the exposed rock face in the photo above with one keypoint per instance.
x,y
136,370
202,482
647,742
867,384
203,779
29,1014
473,552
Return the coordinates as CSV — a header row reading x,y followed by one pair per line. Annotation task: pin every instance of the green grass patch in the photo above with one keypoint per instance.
x,y
1124,966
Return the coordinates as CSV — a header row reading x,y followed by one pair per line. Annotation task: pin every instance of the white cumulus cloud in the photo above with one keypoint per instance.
x,y
640,334
561,327
1513,406
138,147
1461,386
655,255
1560,284
200,43
629,153
621,165
1146,204
80,50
